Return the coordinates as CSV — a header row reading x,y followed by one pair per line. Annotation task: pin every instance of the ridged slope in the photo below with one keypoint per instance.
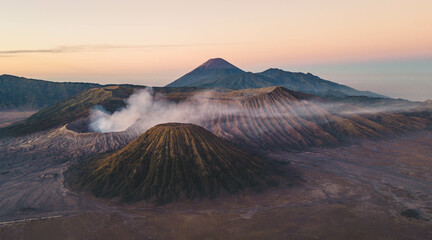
x,y
242,80
171,161
280,118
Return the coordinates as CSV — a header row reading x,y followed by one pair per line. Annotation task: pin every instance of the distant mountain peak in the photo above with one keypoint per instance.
x,y
275,69
209,71
9,76
217,63
220,74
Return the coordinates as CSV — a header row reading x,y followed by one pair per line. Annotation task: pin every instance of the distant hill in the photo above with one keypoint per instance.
x,y
168,162
309,83
220,74
23,93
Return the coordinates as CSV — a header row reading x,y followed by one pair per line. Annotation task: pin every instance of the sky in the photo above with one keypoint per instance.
x,y
382,46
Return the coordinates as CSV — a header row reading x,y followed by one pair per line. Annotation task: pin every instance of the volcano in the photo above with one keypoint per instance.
x,y
168,162
207,72
218,73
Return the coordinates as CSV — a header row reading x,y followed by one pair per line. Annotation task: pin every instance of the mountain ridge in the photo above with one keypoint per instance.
x,y
220,74
79,106
310,83
26,93
266,118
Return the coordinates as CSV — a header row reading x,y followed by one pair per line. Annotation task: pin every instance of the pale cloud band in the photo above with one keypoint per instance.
x,y
102,47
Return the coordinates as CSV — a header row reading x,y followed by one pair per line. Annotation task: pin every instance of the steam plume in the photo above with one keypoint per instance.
x,y
144,111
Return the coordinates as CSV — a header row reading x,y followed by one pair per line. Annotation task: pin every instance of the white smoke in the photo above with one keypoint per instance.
x,y
346,109
143,111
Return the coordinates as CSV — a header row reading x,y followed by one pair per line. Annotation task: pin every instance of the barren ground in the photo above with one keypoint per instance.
x,y
9,117
351,192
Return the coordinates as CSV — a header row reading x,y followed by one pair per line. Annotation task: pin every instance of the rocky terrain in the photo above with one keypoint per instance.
x,y
276,117
350,168
31,170
374,189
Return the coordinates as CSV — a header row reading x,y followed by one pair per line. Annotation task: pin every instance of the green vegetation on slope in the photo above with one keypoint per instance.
x,y
111,98
23,93
168,162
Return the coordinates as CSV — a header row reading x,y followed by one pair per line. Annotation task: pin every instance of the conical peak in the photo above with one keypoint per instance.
x,y
176,125
217,63
172,161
